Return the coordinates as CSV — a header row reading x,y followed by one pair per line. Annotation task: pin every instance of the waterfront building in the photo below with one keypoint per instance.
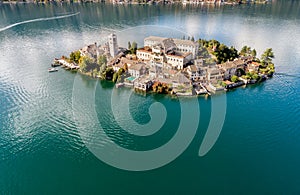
x,y
180,79
143,83
196,73
137,70
231,68
214,74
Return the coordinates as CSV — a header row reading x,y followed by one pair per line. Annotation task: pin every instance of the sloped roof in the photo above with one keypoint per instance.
x,y
181,78
184,42
137,67
154,38
168,44
193,68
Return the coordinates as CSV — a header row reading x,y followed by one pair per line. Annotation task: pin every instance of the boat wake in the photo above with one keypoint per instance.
x,y
38,20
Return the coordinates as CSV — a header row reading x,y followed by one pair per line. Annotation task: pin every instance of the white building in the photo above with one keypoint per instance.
x,y
184,46
144,53
113,45
157,57
137,70
178,61
196,73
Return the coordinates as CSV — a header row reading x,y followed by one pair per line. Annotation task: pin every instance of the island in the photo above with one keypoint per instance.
x,y
180,66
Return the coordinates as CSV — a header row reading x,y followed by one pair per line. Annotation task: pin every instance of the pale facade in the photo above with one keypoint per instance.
x,y
136,70
113,45
184,46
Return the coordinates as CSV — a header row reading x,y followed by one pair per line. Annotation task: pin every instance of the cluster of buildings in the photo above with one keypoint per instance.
x,y
109,49
174,62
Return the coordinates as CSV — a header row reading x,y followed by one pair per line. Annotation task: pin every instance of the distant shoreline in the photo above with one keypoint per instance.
x,y
152,2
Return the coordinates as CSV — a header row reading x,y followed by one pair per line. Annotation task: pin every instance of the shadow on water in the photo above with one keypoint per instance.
x,y
106,84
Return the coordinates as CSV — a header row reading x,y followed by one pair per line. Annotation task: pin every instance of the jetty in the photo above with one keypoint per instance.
x,y
67,65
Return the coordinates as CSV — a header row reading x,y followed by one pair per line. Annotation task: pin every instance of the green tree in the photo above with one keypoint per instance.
x,y
133,47
129,45
75,56
245,51
102,60
253,53
115,77
102,70
95,72
267,56
193,39
255,76
234,78
84,63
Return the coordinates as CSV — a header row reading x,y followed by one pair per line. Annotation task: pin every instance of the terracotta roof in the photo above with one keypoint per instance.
x,y
231,64
138,66
238,62
176,41
181,78
127,61
174,56
193,68
184,42
255,64
145,50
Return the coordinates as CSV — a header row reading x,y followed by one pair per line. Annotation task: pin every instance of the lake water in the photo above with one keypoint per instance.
x,y
44,123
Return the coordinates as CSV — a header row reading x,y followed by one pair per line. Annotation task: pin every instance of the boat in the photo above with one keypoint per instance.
x,y
55,64
52,70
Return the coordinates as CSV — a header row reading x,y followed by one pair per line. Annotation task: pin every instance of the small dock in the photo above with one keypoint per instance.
x,y
67,65
55,63
205,89
118,85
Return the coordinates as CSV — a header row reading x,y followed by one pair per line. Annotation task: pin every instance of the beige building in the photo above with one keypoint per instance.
x,y
184,46
214,74
178,61
196,73
137,70
91,51
144,53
